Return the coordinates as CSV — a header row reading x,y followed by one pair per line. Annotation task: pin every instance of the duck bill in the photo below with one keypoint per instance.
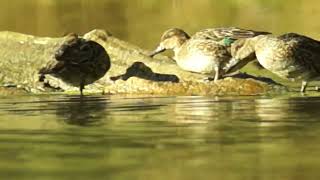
x,y
157,51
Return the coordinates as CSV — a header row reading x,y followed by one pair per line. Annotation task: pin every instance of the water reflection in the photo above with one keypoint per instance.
x,y
81,111
197,110
72,110
287,110
185,137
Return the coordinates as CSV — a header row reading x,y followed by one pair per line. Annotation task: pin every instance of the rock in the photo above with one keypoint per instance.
x,y
22,56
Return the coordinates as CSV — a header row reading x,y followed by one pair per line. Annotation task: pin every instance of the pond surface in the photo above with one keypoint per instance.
x,y
112,137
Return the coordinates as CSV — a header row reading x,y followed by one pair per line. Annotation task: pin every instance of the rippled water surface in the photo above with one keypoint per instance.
x,y
103,137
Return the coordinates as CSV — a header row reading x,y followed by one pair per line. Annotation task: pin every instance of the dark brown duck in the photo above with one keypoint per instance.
x,y
79,62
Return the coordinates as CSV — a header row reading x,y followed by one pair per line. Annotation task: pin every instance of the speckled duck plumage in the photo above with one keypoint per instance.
x,y
203,52
290,56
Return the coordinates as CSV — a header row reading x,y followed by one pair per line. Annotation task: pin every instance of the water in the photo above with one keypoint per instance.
x,y
113,137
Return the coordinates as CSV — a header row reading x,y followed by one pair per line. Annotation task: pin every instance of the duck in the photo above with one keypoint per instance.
x,y
290,56
206,52
78,62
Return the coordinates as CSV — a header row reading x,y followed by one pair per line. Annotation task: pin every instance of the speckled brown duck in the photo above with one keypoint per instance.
x,y
79,62
290,56
206,52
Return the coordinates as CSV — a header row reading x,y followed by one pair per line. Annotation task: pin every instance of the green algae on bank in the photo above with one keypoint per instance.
x,y
23,55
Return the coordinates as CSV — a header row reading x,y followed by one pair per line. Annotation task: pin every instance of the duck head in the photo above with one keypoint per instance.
x,y
243,52
171,39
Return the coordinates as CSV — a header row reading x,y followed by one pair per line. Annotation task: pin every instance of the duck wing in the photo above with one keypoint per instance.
x,y
234,33
306,49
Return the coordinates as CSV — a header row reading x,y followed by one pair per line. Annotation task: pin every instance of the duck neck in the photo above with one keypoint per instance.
x,y
254,42
176,50
179,45
247,49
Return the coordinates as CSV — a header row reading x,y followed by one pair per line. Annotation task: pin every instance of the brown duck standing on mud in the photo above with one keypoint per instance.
x,y
207,51
79,62
290,56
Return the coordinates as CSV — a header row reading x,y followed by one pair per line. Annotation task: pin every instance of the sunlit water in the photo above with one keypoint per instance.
x,y
104,137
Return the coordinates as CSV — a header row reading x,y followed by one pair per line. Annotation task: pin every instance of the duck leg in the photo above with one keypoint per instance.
x,y
81,86
81,89
216,76
303,86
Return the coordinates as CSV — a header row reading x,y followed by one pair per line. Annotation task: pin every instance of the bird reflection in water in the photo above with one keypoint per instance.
x,y
277,111
82,111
